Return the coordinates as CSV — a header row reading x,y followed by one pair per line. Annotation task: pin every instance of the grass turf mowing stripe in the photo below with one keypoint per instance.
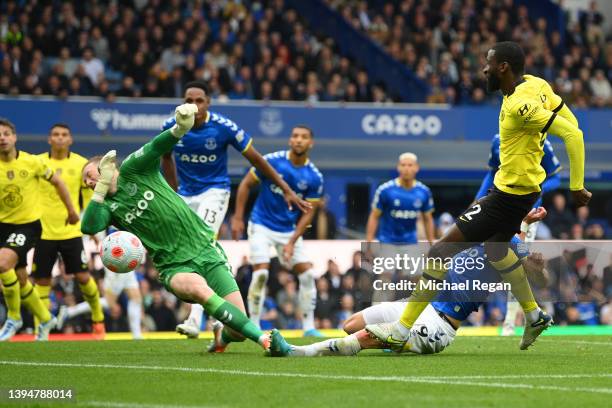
x,y
405,379
113,404
586,342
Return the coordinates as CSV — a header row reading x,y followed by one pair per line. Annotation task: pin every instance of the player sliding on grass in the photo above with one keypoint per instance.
x,y
530,109
191,263
436,327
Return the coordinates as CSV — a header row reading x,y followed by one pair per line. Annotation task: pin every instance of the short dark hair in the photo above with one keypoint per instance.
x,y
308,128
9,124
197,84
512,53
60,125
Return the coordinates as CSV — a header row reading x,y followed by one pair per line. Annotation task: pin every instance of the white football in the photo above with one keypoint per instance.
x,y
122,252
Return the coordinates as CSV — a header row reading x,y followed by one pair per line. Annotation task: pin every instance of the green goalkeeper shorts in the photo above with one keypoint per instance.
x,y
215,269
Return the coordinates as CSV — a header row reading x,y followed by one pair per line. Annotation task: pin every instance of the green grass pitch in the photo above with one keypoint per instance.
x,y
562,371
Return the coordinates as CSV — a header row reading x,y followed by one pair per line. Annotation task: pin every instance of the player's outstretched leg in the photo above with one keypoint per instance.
x,y
257,294
191,326
307,297
192,287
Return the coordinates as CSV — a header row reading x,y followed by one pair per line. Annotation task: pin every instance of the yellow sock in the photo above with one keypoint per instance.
x,y
31,300
43,293
10,289
92,296
512,272
422,295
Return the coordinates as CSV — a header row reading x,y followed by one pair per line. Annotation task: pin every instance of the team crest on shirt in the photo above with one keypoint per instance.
x,y
211,143
10,174
23,173
302,185
524,109
502,115
131,189
396,202
418,203
71,172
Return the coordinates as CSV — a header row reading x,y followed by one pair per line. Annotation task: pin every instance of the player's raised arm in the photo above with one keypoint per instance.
x,y
147,158
64,194
258,161
242,195
99,176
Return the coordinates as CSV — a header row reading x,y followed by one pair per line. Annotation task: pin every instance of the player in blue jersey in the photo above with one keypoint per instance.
x,y
200,159
436,327
552,167
273,225
397,205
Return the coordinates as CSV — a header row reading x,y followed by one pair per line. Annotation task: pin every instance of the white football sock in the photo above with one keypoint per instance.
x,y
511,311
257,295
195,315
346,346
307,298
83,308
134,311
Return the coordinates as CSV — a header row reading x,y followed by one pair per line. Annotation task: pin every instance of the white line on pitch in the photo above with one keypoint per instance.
x,y
432,380
518,376
595,343
113,404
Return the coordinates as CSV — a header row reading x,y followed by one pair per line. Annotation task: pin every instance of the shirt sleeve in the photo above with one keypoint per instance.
x,y
315,191
147,158
168,123
574,145
378,202
96,218
238,138
494,153
428,206
42,170
550,162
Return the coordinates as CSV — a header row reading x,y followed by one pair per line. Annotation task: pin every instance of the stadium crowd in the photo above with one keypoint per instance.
x,y
263,50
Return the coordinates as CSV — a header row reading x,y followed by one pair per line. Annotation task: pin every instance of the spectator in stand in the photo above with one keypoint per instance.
x,y
559,219
161,313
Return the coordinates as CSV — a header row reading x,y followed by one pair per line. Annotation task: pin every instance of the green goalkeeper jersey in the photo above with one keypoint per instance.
x,y
146,206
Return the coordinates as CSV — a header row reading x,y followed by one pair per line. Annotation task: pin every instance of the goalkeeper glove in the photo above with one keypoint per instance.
x,y
107,169
185,117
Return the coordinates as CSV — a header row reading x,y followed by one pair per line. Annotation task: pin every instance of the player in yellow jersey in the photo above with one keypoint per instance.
x,y
529,110
59,237
20,229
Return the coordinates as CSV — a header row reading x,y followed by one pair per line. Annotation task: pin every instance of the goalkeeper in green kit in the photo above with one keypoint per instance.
x,y
191,263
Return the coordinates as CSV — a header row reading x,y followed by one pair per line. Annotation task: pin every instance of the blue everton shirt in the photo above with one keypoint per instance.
x,y
399,208
550,163
270,209
201,155
459,304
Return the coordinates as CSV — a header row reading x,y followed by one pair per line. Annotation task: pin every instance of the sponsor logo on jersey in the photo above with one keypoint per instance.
x,y
131,189
210,144
524,109
502,115
113,206
23,173
197,158
141,206
401,125
404,214
12,196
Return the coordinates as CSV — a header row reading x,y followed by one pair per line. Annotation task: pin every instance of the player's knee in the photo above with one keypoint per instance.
x,y
82,277
353,324
6,263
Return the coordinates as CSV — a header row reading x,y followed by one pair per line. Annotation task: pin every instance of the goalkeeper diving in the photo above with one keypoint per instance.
x,y
191,263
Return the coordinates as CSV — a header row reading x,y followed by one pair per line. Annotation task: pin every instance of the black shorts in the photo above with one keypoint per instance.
x,y
20,238
71,251
497,212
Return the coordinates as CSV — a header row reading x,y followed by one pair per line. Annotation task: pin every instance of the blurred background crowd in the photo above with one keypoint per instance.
x,y
264,50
